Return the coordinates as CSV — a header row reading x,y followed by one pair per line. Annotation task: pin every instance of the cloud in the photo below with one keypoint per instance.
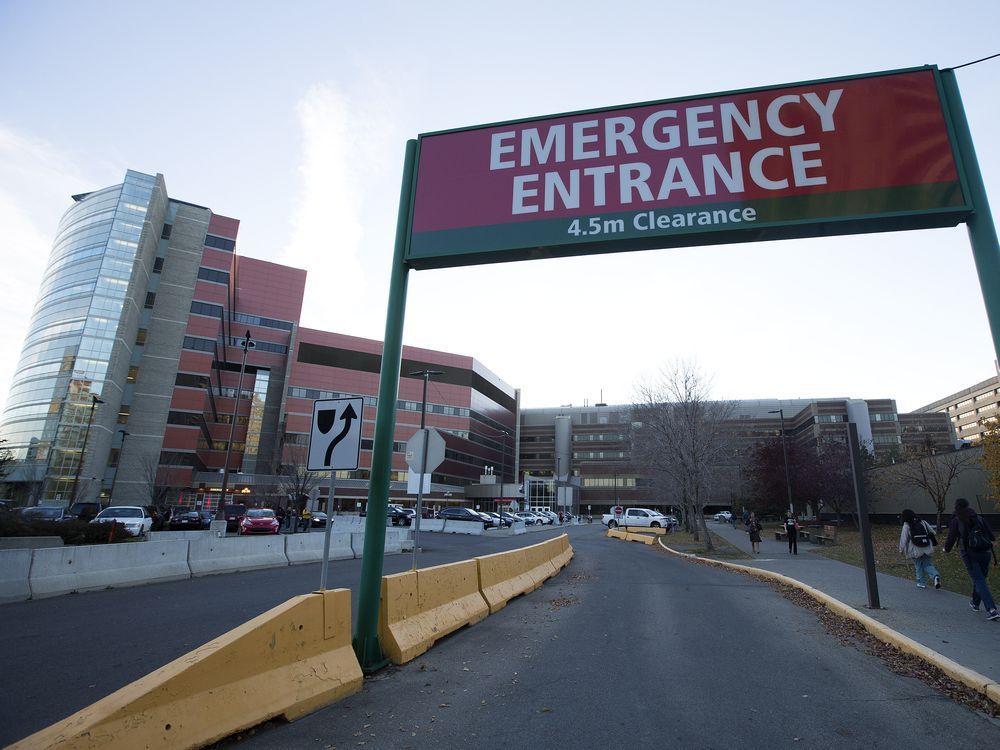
x,y
346,138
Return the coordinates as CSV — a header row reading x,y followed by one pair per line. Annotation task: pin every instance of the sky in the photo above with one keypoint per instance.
x,y
293,117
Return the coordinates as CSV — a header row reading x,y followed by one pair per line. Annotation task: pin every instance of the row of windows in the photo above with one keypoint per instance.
x,y
213,274
315,394
197,344
610,437
257,320
598,455
878,417
205,308
260,346
220,243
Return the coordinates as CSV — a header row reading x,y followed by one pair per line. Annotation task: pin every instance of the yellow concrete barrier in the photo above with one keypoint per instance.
x,y
617,534
643,538
645,530
420,607
562,552
505,575
287,662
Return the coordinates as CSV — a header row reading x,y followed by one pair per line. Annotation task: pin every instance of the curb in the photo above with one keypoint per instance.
x,y
971,679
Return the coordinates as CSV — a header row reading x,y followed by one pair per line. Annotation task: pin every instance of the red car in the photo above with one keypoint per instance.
x,y
258,521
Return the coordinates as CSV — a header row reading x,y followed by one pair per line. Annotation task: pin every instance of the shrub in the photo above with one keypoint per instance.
x,y
72,532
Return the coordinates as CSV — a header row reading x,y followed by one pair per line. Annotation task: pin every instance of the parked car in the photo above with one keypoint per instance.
x,y
258,521
319,519
723,517
510,518
488,519
134,518
498,519
45,513
83,511
234,514
458,513
190,520
553,517
543,519
398,516
529,518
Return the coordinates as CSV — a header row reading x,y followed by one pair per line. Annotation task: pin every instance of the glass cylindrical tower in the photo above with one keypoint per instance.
x,y
64,364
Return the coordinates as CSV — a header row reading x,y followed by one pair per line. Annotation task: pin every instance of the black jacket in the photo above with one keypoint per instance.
x,y
958,530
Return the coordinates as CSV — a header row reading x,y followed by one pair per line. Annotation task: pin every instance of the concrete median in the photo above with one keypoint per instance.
x,y
287,662
420,607
214,555
15,564
88,568
306,548
463,527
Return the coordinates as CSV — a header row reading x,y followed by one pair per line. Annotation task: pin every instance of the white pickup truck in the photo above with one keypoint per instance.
x,y
638,517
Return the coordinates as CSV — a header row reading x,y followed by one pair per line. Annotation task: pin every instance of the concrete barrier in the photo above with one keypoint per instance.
x,y
394,541
505,575
173,536
287,662
645,530
431,524
30,542
15,564
641,538
419,607
230,554
92,567
563,552
463,527
617,534
306,548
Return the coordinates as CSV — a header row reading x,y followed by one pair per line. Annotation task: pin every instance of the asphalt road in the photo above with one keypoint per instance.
x,y
626,647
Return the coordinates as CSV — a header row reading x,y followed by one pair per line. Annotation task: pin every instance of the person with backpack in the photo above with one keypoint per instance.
x,y
917,541
792,533
975,540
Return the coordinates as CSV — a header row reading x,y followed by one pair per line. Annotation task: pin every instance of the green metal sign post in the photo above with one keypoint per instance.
x,y
366,644
982,230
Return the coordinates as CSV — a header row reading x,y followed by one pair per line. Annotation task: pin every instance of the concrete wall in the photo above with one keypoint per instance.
x,y
15,565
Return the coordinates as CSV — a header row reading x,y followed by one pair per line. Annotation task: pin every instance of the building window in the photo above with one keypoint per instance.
x,y
150,300
133,373
165,234
140,336
199,344
123,412
204,308
219,243
157,265
213,274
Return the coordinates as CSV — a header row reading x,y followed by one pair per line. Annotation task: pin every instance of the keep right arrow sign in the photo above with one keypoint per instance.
x,y
335,438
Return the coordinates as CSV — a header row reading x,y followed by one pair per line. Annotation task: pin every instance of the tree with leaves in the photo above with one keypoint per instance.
x,y
295,480
990,457
680,438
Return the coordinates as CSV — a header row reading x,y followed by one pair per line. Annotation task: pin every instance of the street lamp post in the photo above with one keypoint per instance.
x,y
784,452
118,467
94,401
426,375
247,343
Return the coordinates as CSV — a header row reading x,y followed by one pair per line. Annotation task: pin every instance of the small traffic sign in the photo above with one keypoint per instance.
x,y
335,438
415,450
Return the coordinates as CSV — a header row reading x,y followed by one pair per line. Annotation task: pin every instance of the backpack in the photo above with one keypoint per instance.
x,y
978,540
919,538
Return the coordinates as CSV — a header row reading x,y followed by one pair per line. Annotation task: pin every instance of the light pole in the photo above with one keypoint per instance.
x,y
247,343
426,375
784,452
118,467
94,401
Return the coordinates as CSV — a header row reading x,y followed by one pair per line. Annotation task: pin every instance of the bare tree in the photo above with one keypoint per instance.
x,y
925,469
295,480
161,482
681,437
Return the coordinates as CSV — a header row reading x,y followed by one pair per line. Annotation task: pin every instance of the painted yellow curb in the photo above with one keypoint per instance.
x,y
286,662
980,683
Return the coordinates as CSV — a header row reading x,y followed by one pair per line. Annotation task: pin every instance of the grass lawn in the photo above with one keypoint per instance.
x,y
888,559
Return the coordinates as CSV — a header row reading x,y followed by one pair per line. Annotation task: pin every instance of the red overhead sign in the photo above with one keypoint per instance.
x,y
855,154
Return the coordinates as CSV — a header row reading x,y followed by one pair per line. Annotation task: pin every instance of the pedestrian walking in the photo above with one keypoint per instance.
x,y
975,540
916,541
792,534
754,528
746,517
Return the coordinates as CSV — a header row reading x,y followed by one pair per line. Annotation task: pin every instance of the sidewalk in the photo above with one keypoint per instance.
x,y
938,619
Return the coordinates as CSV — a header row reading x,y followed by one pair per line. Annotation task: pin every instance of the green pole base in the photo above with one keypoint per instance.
x,y
369,654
